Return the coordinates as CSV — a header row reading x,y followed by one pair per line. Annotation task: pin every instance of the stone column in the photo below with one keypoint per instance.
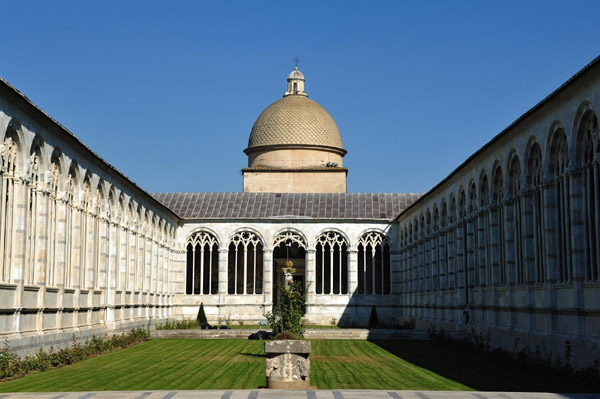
x,y
223,259
267,279
311,274
352,271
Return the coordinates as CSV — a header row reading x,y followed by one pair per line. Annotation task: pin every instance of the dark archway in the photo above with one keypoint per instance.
x,y
288,246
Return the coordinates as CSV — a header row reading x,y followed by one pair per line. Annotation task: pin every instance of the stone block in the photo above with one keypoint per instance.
x,y
288,364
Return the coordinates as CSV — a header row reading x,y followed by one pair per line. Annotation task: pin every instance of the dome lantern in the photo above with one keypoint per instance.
x,y
295,84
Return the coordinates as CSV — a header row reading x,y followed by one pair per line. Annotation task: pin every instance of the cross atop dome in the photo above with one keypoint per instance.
x,y
295,81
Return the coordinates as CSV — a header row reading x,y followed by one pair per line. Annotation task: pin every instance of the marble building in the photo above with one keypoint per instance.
x,y
514,231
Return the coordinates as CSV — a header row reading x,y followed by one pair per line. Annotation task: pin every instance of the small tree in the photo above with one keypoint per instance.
x,y
201,315
373,320
286,319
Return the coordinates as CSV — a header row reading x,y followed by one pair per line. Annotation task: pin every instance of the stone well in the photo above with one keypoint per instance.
x,y
288,364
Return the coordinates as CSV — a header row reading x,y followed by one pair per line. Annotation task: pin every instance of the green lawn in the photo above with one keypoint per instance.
x,y
170,364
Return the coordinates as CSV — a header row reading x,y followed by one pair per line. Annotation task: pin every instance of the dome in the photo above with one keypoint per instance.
x,y
295,120
296,74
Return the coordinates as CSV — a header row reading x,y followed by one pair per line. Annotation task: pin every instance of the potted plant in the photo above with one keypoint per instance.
x,y
288,363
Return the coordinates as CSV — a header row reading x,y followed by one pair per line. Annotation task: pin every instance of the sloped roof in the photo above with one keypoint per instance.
x,y
350,206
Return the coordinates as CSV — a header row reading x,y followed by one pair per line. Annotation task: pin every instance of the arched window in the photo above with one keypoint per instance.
x,y
70,185
332,264
587,141
202,275
462,244
558,163
484,233
437,246
514,191
99,234
534,178
473,241
452,244
55,219
374,264
444,247
35,198
245,264
498,198
87,231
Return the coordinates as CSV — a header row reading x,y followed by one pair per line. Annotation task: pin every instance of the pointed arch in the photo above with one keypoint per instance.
x,y
331,250
374,261
586,156
245,263
202,263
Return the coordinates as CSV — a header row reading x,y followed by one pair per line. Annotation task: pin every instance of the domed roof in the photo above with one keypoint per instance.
x,y
295,120
296,74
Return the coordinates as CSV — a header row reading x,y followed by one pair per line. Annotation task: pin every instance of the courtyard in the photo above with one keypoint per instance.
x,y
192,364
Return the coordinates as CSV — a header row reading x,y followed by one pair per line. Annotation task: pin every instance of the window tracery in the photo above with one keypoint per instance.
x,y
202,264
245,264
374,264
590,178
534,177
331,264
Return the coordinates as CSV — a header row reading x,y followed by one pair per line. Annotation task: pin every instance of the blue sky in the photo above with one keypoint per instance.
x,y
168,91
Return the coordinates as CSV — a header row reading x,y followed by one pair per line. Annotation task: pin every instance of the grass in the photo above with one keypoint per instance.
x,y
170,364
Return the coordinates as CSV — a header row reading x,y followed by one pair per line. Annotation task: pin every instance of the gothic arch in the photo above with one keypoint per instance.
x,y
514,175
472,201
452,213
557,151
374,271
444,214
585,134
331,266
340,232
484,190
497,183
202,263
534,164
245,263
36,165
586,156
209,231
291,234
436,218
248,229
462,205
14,132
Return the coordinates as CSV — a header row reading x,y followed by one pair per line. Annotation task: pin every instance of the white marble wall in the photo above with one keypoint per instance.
x,y
71,227
515,232
321,308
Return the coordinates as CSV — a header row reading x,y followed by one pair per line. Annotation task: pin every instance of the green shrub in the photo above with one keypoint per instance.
x,y
286,320
373,320
201,315
178,325
12,365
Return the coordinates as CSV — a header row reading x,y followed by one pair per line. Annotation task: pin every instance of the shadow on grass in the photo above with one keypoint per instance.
x,y
253,354
480,371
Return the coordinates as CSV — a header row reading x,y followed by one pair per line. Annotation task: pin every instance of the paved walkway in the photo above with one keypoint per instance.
x,y
278,394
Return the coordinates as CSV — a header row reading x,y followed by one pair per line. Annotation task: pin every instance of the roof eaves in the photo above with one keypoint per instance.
x,y
544,101
78,141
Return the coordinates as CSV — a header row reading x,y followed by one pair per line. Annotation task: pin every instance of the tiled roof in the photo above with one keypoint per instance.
x,y
295,120
352,206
